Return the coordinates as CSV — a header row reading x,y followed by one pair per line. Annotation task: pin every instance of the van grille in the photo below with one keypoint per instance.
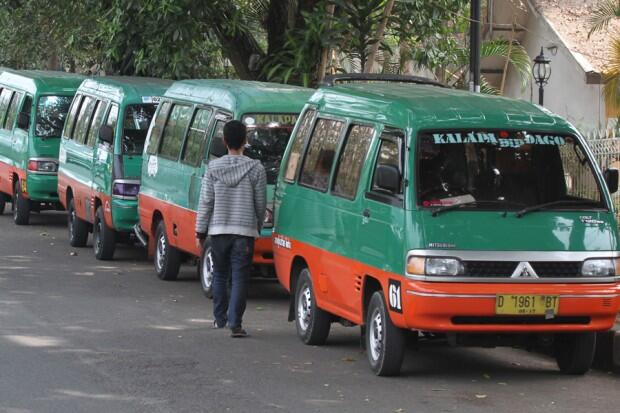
x,y
544,269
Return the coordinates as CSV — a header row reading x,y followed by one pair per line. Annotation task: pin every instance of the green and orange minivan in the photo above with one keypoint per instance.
x,y
416,210
186,134
101,157
33,108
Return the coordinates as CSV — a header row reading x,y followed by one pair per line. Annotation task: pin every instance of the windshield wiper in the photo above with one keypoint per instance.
x,y
538,207
439,210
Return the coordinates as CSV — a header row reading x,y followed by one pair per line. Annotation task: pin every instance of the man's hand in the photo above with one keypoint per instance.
x,y
201,238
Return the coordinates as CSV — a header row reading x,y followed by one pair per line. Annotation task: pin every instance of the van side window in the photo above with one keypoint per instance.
x,y
83,120
95,125
27,109
352,160
158,127
11,114
320,155
174,131
112,119
5,99
196,136
70,123
218,147
389,157
299,141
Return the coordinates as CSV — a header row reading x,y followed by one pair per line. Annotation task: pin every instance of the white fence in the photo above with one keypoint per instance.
x,y
605,145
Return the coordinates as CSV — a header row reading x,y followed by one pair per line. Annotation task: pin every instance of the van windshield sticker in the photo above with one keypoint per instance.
x,y
151,99
494,139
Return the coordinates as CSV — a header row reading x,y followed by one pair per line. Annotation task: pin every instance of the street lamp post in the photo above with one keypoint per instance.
x,y
541,72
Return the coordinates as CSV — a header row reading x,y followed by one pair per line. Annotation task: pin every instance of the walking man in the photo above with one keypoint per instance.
x,y
231,211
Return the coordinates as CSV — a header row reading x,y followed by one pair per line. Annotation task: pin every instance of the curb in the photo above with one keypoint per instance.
x,y
607,356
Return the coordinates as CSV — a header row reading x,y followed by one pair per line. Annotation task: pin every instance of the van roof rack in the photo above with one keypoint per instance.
x,y
331,80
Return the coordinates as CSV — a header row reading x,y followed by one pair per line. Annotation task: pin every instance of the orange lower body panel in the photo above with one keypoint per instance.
x,y
441,306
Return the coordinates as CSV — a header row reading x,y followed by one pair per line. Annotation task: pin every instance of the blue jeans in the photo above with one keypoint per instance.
x,y
232,256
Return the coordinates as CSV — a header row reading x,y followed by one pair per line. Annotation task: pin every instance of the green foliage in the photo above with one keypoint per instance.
x,y
604,13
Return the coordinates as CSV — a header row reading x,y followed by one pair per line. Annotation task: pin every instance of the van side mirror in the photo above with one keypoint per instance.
x,y
387,177
218,148
611,179
106,134
23,120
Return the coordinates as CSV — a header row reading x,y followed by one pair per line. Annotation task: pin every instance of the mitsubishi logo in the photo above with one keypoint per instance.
x,y
524,270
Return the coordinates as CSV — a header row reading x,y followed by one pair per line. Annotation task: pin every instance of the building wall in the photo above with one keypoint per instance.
x,y
567,93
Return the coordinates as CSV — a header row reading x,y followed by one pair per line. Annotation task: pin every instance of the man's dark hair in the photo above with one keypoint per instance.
x,y
234,134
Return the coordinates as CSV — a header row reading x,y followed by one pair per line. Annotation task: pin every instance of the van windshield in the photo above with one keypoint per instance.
x,y
51,115
268,135
135,127
505,170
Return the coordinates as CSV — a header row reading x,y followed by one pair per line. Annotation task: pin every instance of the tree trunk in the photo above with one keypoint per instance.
x,y
370,60
325,53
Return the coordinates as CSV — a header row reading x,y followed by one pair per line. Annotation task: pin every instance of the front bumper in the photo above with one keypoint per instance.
x,y
463,307
124,214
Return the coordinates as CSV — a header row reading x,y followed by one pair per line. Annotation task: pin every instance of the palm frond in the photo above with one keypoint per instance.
x,y
611,75
516,54
486,88
606,11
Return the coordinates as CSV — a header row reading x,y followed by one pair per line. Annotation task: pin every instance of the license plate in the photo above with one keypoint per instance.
x,y
526,304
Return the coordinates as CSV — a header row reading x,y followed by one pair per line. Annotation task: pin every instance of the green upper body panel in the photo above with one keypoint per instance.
x,y
41,82
337,225
240,96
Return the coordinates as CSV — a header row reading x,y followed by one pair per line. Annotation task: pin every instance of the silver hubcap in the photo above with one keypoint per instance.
x,y
97,235
207,270
376,335
71,220
161,252
304,308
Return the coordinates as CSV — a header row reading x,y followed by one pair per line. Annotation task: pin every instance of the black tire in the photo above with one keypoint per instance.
x,y
385,343
21,206
167,258
3,199
574,352
205,272
104,238
312,323
78,228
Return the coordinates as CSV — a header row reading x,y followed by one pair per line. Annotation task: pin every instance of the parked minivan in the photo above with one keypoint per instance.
x,y
186,134
403,206
33,107
101,156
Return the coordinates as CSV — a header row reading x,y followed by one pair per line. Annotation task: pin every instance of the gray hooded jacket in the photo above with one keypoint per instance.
x,y
232,197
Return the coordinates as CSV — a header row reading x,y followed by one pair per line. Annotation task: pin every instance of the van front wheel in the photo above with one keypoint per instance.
x,y
312,323
104,240
167,258
385,343
574,352
21,206
78,229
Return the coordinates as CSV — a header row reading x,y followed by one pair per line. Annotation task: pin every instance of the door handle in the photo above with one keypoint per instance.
x,y
366,213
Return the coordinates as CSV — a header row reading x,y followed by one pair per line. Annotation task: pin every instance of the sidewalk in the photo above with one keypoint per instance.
x,y
608,349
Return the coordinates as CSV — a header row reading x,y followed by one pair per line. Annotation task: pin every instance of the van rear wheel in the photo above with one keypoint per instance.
x,y
385,343
2,203
104,240
312,323
205,271
21,206
78,228
167,258
574,352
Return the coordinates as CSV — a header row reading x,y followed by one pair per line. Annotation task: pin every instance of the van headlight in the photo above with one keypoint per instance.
x,y
435,266
600,267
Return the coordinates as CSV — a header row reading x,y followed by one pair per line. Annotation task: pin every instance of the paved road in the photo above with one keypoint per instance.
x,y
77,335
